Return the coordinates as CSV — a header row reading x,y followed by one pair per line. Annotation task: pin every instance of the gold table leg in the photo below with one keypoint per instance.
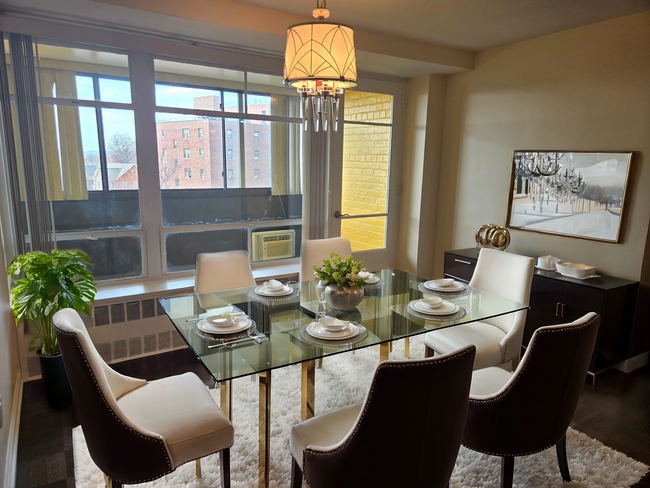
x,y
384,350
225,388
198,468
406,347
264,429
307,390
108,482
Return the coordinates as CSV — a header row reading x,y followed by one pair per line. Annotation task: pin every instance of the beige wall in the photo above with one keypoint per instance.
x,y
582,89
8,366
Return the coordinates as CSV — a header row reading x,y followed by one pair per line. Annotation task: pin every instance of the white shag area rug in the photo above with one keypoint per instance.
x,y
344,380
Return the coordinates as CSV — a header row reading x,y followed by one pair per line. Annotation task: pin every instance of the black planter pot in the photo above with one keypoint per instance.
x,y
55,381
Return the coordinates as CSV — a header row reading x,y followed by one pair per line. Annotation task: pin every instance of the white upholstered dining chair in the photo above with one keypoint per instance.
x,y
137,430
313,253
497,340
384,441
217,271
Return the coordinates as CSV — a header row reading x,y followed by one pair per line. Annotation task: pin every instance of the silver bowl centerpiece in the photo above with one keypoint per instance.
x,y
344,290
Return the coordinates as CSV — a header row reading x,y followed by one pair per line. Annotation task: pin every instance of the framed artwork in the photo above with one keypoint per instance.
x,y
573,193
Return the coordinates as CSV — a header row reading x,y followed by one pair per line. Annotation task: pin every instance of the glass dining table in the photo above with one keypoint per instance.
x,y
278,336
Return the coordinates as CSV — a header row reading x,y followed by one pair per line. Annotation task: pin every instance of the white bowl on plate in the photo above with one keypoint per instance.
x,y
431,301
574,269
444,281
273,285
332,324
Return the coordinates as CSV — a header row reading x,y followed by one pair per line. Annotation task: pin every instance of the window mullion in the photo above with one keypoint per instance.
x,y
141,68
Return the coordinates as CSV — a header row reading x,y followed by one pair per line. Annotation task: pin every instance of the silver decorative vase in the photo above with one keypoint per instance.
x,y
343,297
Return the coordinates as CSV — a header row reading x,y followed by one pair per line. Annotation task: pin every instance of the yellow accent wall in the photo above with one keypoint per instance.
x,y
366,157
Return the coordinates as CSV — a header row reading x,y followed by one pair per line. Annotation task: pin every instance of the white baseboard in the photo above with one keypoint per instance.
x,y
12,439
636,362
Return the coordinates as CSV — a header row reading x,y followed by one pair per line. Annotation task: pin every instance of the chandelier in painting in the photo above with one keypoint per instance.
x,y
320,61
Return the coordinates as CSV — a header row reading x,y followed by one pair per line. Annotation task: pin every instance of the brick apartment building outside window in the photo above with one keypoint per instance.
x,y
186,133
175,144
186,153
188,172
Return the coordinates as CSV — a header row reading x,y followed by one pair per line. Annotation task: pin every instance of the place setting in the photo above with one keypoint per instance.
x,y
330,331
371,279
227,327
273,291
445,287
432,307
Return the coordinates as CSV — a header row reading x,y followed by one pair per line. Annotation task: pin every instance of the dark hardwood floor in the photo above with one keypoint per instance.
x,y
616,412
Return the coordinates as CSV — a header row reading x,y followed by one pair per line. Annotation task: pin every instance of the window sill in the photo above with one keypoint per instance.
x,y
178,286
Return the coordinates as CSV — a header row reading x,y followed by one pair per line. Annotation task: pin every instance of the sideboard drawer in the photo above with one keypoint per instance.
x,y
459,267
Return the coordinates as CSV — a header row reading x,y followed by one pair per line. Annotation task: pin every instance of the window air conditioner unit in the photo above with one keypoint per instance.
x,y
274,244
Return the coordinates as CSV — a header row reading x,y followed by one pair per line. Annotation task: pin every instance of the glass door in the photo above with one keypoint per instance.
x,y
363,191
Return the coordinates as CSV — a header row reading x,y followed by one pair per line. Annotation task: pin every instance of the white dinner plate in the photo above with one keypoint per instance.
x,y
316,330
454,287
587,277
446,308
546,269
262,290
239,325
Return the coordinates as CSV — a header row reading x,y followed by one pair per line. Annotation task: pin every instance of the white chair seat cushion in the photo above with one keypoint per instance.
x,y
488,381
484,336
181,410
325,430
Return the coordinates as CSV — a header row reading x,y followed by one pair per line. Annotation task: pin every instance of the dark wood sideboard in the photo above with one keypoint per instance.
x,y
556,299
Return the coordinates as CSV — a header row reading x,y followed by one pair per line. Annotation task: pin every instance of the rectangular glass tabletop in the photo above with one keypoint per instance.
x,y
278,321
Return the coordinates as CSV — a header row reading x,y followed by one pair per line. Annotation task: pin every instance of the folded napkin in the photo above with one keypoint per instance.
x,y
365,275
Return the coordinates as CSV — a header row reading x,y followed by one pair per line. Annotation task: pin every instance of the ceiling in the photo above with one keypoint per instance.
x,y
465,24
402,38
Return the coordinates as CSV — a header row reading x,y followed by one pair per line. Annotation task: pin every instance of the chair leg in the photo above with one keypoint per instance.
x,y
198,468
560,448
296,474
428,352
507,470
224,461
108,482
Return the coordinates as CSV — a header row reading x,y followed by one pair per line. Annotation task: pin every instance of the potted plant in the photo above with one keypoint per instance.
x,y
344,286
61,279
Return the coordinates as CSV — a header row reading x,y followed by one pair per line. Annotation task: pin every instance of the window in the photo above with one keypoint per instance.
x,y
200,133
201,153
257,174
175,163
177,182
134,172
186,133
230,155
186,153
231,175
175,144
166,172
229,134
124,184
188,172
256,154
164,153
163,134
203,174
263,112
256,135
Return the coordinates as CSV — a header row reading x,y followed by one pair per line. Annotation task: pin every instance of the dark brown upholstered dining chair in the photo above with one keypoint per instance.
x,y
529,411
406,433
138,431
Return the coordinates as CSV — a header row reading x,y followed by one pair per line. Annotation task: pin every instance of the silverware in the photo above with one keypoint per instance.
x,y
222,342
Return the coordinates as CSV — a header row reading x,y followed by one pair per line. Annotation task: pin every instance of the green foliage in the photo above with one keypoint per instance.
x,y
61,279
340,271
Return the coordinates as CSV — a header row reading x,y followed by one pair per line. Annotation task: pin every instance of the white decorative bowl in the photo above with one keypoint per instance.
x,y
574,269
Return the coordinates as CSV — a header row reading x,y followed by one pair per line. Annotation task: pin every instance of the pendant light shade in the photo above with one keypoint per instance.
x,y
320,61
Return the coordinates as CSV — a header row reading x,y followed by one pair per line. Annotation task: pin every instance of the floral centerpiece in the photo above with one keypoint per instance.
x,y
344,289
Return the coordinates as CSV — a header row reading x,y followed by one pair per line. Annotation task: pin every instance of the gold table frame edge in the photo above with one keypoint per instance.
x,y
307,389
264,428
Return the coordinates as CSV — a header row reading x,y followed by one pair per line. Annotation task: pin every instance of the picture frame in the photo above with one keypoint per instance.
x,y
569,193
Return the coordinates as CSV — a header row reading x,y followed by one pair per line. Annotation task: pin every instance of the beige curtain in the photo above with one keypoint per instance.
x,y
66,173
286,147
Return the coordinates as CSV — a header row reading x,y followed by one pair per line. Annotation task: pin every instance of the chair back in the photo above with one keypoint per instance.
x,y
121,449
510,276
533,410
313,253
409,430
216,271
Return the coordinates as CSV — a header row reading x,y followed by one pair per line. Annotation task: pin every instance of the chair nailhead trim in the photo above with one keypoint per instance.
x,y
158,441
404,364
